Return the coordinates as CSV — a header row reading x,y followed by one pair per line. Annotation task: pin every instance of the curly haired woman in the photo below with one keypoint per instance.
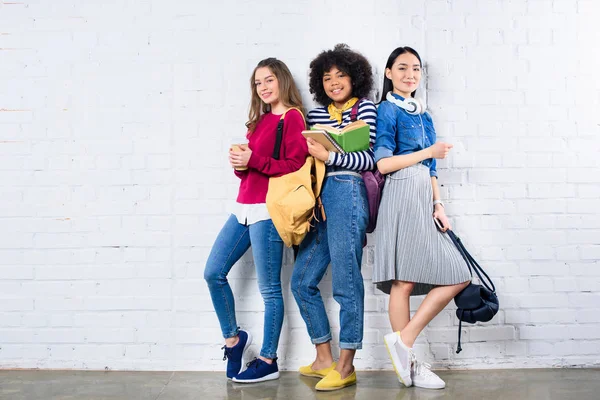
x,y
339,79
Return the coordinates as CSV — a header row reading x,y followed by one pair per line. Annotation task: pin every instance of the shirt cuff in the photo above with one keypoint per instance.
x,y
330,159
240,174
382,152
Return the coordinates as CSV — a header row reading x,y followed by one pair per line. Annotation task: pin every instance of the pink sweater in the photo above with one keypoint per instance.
x,y
261,166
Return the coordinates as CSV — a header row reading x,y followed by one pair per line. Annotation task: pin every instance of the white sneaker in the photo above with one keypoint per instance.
x,y
423,377
401,356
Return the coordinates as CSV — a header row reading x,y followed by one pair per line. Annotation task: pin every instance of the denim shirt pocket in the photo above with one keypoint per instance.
x,y
410,135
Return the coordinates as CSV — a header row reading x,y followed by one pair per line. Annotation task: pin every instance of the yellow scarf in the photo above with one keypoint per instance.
x,y
336,113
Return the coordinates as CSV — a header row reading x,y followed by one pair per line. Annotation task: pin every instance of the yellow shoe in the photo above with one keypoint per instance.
x,y
316,373
334,381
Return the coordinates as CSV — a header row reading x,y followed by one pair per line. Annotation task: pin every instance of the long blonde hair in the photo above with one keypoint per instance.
x,y
289,95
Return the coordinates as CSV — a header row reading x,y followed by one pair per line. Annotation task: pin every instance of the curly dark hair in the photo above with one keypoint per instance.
x,y
348,61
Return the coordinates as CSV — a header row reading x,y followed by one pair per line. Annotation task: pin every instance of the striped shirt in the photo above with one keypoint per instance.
x,y
357,160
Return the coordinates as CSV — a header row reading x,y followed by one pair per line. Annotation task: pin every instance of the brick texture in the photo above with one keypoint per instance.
x,y
115,118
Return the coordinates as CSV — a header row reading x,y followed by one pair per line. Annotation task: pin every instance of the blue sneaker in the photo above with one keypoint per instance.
x,y
258,371
235,355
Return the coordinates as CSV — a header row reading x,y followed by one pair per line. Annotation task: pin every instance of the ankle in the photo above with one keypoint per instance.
x,y
321,363
345,369
406,339
232,341
324,359
267,360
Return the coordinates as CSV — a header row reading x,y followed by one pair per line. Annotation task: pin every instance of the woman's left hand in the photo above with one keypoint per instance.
x,y
440,214
317,150
240,158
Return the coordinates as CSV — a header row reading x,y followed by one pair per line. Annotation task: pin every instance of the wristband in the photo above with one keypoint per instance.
x,y
438,202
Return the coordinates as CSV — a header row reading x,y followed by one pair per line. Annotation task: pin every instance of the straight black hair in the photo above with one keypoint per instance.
x,y
387,83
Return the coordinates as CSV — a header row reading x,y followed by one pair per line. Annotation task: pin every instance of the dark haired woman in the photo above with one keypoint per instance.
x,y
339,79
412,257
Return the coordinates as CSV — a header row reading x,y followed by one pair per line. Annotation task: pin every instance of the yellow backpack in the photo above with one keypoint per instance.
x,y
293,200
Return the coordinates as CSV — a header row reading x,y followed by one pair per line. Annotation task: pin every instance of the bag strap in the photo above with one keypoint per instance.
x,y
459,347
278,140
354,111
279,136
471,263
354,115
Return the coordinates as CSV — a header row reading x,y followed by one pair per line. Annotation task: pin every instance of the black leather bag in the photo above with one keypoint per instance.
x,y
475,302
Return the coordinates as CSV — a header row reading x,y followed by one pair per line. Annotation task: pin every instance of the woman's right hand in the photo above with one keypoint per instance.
x,y
440,150
317,150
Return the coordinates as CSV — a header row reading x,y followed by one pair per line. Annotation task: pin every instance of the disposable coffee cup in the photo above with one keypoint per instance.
x,y
239,144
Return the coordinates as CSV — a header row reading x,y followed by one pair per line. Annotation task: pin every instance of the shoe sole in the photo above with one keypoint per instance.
x,y
331,389
400,378
429,387
248,343
270,377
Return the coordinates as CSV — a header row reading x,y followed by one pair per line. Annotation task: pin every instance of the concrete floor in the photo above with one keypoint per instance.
x,y
580,384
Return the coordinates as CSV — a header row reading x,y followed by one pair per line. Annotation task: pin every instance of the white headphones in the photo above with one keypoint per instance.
x,y
412,106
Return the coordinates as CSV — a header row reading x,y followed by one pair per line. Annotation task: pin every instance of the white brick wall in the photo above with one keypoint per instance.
x,y
114,124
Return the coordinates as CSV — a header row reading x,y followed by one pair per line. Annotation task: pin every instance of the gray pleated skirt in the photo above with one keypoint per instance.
x,y
409,246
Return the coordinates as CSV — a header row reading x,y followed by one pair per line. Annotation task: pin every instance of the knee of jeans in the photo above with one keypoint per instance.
x,y
299,288
212,276
270,291
296,288
269,288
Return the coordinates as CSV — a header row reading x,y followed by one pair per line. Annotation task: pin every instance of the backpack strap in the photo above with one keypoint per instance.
x,y
354,114
320,177
317,173
354,111
278,140
279,136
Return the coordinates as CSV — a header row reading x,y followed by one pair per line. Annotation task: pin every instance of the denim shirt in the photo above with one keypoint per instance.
x,y
400,133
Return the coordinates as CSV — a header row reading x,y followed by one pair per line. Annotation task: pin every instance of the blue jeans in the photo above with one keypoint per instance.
x,y
267,250
338,240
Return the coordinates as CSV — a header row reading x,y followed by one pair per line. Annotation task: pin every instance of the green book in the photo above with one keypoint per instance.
x,y
353,137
